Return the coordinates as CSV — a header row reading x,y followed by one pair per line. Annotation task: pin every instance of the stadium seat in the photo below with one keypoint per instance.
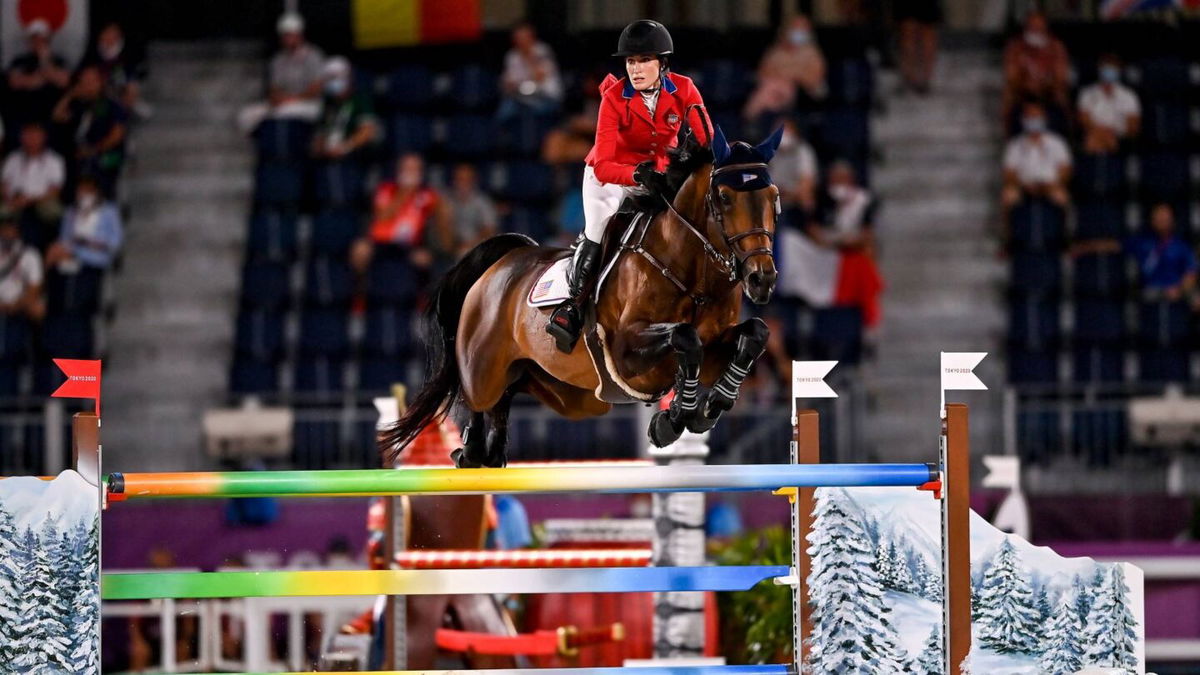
x,y
10,380
1162,77
1099,176
279,183
340,183
77,293
334,229
851,82
409,132
266,285
410,87
1037,225
1039,436
1163,324
469,136
837,334
328,282
1165,123
527,181
730,121
474,88
320,374
845,132
391,279
1099,321
1099,436
15,333
1036,273
324,332
531,221
1032,367
1100,276
1100,219
272,234
282,140
66,336
259,334
1165,176
379,374
522,135
389,332
1156,365
1034,323
724,82
1097,363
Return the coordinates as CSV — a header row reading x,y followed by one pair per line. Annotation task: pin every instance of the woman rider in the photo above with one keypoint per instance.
x,y
640,116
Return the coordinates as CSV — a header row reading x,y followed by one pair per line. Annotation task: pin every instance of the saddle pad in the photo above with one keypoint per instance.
x,y
551,286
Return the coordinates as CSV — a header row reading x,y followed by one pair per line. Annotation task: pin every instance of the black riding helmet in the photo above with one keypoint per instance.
x,y
645,37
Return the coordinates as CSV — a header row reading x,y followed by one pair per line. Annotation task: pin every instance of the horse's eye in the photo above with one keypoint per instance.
x,y
726,200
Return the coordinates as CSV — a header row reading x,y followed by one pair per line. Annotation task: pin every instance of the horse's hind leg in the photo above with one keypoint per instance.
x,y
474,452
749,339
497,436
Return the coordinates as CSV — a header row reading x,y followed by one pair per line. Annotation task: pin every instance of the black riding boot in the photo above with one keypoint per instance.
x,y
567,319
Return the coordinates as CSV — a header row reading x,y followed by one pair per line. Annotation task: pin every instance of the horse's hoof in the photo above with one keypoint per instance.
x,y
462,459
663,431
702,423
497,462
716,405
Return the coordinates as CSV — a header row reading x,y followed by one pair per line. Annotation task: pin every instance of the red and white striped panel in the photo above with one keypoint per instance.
x,y
440,560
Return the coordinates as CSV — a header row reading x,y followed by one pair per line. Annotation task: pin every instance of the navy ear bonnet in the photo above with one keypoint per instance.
x,y
735,164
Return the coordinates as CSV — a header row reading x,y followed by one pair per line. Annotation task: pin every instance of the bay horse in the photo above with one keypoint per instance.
x,y
667,313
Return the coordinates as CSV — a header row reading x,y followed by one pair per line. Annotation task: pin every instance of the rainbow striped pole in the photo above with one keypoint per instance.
x,y
608,480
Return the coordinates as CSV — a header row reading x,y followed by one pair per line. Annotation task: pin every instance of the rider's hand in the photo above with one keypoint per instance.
x,y
649,177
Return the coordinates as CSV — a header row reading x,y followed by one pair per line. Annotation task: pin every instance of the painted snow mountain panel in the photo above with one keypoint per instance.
x,y
49,575
875,587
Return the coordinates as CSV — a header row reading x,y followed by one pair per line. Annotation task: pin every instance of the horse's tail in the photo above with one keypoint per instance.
x,y
443,384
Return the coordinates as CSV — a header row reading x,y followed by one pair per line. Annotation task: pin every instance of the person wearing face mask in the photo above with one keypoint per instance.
x,y
1037,163
1109,112
791,74
30,184
95,126
20,274
348,123
410,220
122,67
91,233
640,118
1036,66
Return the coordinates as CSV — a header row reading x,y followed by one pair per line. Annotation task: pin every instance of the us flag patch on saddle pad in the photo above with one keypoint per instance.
x,y
551,287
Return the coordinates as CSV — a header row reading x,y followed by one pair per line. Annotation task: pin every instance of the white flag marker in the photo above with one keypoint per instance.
x,y
808,381
958,373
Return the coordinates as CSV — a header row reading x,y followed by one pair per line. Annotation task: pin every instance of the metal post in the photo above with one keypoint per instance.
x,y
52,446
395,612
679,542
167,619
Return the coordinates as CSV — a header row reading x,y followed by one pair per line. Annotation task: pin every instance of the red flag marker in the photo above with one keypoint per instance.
x,y
83,380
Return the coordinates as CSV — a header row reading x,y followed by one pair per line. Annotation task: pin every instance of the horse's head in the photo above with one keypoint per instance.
x,y
744,203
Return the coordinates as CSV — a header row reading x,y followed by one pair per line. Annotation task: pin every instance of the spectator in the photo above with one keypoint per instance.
x,y
845,221
20,272
96,125
38,77
31,180
1035,67
1037,163
91,232
473,213
122,68
918,21
1166,264
348,124
530,81
410,219
1109,111
791,74
294,78
794,170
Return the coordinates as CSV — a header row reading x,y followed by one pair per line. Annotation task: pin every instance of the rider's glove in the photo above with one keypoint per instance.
x,y
649,177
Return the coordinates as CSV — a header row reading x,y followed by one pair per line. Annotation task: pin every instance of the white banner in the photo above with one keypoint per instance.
x,y
958,373
808,379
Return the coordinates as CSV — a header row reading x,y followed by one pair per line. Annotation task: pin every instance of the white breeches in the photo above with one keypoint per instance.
x,y
600,201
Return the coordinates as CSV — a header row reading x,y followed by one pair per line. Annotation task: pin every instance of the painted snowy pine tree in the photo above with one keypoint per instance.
x,y
1044,608
1083,598
52,627
930,660
25,635
853,632
85,609
1008,621
9,580
884,562
1111,630
1063,639
928,580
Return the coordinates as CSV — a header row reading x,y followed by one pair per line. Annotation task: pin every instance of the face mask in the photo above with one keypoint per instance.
x,y
111,52
1109,74
86,201
1036,39
799,37
787,140
336,87
840,192
1034,124
409,180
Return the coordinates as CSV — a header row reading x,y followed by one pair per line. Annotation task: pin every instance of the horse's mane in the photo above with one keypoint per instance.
x,y
685,158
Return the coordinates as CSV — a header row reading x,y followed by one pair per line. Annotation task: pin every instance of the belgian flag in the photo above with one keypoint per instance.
x,y
403,23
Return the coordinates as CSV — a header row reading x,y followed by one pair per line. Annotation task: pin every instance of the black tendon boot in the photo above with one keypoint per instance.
x,y
567,319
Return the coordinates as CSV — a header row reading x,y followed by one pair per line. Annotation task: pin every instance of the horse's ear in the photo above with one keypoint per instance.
x,y
768,147
720,146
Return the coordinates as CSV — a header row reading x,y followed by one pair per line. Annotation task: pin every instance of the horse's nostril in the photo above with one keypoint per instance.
x,y
755,279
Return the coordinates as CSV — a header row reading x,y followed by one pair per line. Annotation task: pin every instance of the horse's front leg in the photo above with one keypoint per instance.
x,y
667,425
750,340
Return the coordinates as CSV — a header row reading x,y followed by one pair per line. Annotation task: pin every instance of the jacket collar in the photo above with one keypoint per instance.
x,y
668,85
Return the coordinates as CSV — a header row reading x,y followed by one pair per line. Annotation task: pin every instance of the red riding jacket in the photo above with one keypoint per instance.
x,y
626,133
